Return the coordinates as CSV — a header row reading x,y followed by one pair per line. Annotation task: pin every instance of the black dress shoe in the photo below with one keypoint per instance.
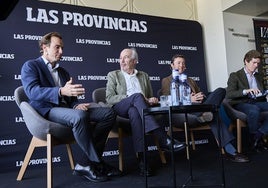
x,y
238,157
90,173
177,145
109,170
145,172
259,145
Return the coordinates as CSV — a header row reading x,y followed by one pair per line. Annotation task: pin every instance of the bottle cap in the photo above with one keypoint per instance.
x,y
175,73
183,77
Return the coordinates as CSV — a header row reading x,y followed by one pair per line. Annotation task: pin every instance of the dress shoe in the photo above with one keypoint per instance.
x,y
109,170
259,145
177,145
238,157
205,117
90,173
145,172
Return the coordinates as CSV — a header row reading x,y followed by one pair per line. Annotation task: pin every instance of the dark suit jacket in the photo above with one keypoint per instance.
x,y
237,82
40,88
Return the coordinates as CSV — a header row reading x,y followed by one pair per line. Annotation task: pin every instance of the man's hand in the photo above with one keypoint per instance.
x,y
71,89
152,101
197,97
253,92
82,106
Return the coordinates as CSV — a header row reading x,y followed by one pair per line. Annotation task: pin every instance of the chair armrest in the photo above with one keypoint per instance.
x,y
232,112
40,127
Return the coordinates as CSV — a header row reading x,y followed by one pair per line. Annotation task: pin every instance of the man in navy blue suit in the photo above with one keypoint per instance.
x,y
53,94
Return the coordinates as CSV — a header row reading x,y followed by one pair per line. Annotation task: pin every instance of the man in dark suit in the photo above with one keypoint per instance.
x,y
245,89
53,94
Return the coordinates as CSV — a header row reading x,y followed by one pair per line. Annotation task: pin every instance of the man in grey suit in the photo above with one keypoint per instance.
x,y
129,91
245,89
53,94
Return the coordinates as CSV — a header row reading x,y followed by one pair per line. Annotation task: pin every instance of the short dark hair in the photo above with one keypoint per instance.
x,y
251,54
46,39
176,56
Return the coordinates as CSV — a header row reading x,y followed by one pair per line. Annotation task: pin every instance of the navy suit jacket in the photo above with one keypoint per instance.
x,y
40,88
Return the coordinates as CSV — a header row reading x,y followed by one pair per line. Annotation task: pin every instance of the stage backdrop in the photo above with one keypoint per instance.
x,y
261,40
93,39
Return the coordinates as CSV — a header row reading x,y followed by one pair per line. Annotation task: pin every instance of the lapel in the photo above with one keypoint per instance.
x,y
44,69
141,80
122,80
259,81
243,77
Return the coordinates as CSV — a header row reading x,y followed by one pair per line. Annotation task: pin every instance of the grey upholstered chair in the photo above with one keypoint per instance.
x,y
45,134
122,127
238,120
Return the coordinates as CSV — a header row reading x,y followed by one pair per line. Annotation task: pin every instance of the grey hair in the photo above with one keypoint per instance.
x,y
134,54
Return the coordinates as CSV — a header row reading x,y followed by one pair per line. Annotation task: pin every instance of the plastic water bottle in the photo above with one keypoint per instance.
x,y
174,88
184,91
175,74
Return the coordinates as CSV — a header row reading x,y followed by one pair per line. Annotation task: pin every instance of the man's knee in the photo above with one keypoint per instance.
x,y
109,113
220,91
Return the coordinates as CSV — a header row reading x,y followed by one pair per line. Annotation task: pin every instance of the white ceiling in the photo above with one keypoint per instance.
x,y
256,8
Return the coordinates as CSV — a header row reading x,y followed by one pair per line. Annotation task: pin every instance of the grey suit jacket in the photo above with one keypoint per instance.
x,y
237,82
116,86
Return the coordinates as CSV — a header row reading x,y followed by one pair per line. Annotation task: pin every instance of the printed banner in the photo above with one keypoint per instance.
x,y
93,39
261,40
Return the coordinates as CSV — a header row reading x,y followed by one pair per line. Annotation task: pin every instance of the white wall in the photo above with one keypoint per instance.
x,y
237,46
211,20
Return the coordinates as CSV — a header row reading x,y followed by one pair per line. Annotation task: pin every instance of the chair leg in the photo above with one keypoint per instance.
x,y
49,161
192,139
161,153
239,135
27,159
120,148
186,140
70,155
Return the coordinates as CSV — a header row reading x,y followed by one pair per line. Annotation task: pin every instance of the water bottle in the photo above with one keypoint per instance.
x,y
184,91
174,88
175,74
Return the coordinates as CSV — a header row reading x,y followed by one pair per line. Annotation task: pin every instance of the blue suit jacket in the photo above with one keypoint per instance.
x,y
40,88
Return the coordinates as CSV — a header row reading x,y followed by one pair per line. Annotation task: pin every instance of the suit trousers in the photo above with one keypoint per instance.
x,y
215,98
131,107
254,119
90,137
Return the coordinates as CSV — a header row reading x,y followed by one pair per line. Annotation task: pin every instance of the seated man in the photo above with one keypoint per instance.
x,y
129,91
243,88
53,94
216,97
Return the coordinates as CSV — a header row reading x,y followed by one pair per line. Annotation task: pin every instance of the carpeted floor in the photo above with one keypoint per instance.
x,y
205,167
